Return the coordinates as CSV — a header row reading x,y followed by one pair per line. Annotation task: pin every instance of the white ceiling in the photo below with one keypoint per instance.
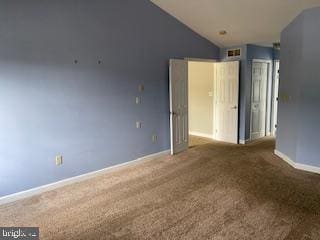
x,y
246,21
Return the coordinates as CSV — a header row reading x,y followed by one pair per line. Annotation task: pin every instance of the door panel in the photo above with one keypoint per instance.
x,y
226,95
256,122
256,91
178,105
259,99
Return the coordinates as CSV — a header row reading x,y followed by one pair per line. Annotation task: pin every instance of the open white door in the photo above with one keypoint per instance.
x,y
259,99
178,84
226,101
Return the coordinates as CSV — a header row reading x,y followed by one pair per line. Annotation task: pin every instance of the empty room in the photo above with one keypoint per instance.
x,y
161,119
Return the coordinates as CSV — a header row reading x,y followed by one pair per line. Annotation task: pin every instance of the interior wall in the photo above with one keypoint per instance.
x,y
276,54
201,76
56,98
298,118
291,57
309,101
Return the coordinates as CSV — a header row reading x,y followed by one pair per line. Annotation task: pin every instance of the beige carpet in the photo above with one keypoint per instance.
x,y
211,191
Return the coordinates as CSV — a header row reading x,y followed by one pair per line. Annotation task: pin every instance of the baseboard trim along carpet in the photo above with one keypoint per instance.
x,y
295,165
198,134
241,141
45,188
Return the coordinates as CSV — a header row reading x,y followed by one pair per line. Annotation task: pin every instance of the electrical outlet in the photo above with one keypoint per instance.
x,y
138,124
58,160
138,100
154,138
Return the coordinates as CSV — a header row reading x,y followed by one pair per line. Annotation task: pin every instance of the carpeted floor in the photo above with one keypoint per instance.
x,y
211,191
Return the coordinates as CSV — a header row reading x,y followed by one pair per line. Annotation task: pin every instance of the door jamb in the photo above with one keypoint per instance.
x,y
273,128
209,61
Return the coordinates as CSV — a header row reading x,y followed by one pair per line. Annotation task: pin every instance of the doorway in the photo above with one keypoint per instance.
x,y
203,102
200,98
200,102
261,99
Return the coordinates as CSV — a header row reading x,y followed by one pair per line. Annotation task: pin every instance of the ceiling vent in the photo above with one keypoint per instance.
x,y
276,45
234,53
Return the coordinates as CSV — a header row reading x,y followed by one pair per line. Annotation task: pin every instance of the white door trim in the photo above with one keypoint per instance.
x,y
200,60
275,95
268,95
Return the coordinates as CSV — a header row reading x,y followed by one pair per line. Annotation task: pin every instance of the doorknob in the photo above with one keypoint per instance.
x,y
235,107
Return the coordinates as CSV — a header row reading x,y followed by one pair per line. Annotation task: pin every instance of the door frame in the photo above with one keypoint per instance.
x,y
209,61
268,107
275,95
201,60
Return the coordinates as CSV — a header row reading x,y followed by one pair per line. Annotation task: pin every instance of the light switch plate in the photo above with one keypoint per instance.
x,y
138,124
138,100
58,160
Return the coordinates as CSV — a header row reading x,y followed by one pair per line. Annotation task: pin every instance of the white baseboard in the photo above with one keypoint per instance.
x,y
45,188
241,141
285,158
198,134
299,166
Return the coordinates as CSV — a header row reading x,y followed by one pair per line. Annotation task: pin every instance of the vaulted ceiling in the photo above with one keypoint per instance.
x,y
246,21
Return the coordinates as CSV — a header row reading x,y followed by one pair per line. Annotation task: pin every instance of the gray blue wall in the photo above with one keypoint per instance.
x,y
276,54
86,111
298,118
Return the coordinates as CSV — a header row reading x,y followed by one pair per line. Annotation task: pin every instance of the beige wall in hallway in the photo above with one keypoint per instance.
x,y
201,76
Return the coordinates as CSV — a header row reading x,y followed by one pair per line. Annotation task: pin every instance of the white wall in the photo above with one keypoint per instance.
x,y
201,76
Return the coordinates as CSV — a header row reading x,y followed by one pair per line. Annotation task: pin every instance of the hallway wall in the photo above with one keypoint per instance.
x,y
201,76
